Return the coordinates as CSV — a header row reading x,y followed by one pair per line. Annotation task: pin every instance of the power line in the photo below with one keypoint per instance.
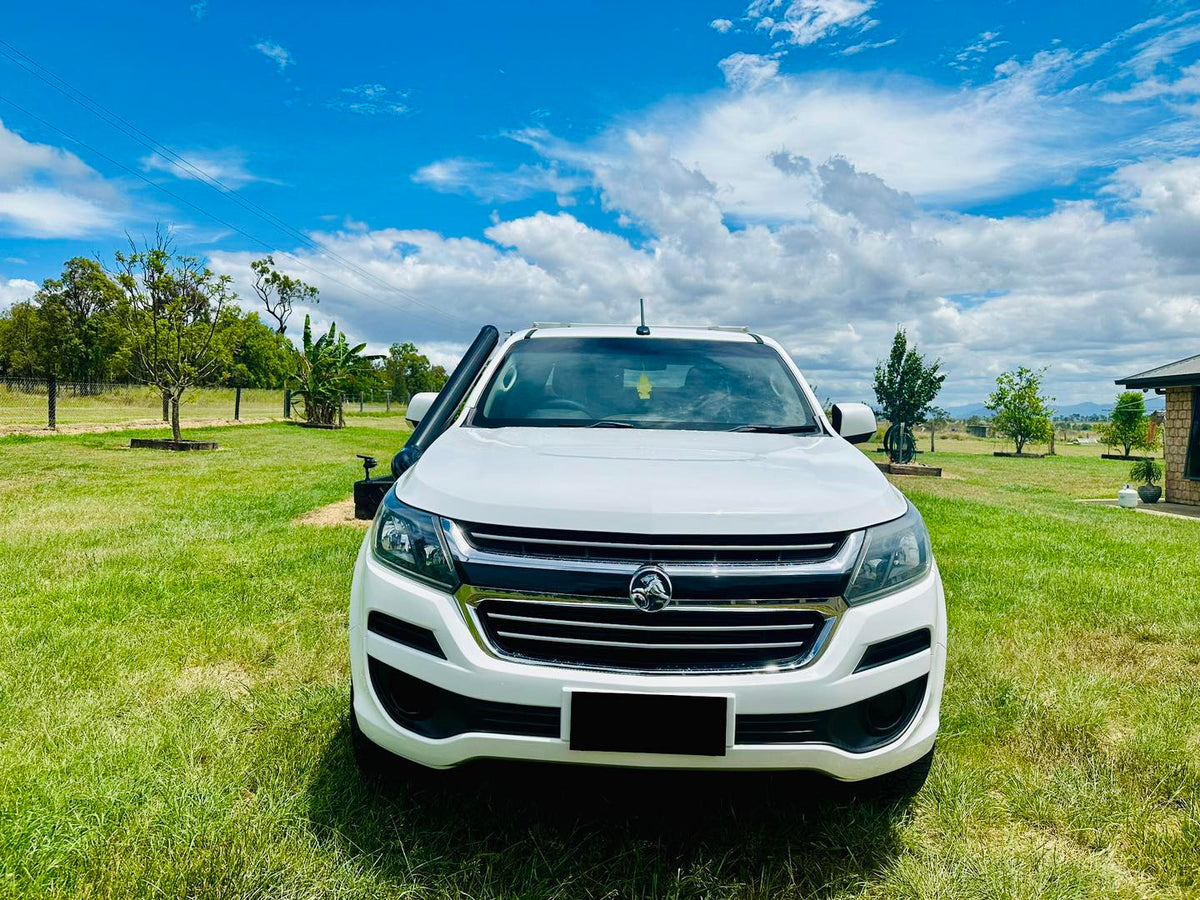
x,y
257,240
188,168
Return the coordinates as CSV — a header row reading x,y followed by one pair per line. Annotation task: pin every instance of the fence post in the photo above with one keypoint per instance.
x,y
287,403
237,404
360,401
387,398
52,402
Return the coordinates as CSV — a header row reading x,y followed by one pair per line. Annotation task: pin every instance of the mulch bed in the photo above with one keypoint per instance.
x,y
168,444
901,469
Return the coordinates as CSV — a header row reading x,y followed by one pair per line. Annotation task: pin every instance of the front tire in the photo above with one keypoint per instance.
x,y
374,762
901,786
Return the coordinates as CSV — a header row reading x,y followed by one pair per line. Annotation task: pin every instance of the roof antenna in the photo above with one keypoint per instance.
x,y
643,329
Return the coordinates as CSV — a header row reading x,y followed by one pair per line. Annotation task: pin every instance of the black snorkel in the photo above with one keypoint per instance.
x,y
449,399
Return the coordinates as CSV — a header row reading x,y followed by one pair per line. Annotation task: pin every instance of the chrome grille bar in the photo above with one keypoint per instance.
x,y
719,628
639,646
650,547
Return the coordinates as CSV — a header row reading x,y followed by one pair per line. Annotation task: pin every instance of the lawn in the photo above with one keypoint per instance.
x,y
173,695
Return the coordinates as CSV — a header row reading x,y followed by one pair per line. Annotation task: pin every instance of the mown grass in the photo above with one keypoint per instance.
x,y
173,691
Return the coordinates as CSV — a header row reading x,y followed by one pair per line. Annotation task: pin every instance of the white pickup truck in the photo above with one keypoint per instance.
x,y
645,548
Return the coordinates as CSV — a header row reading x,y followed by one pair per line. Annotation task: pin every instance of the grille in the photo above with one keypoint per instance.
x,y
612,636
640,548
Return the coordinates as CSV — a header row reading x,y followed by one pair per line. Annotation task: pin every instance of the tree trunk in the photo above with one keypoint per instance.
x,y
931,439
166,400
175,417
1020,445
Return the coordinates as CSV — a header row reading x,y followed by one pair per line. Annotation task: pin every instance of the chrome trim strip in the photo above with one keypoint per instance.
x,y
651,547
659,628
838,564
640,646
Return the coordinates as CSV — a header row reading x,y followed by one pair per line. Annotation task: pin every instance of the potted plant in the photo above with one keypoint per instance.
x,y
1147,471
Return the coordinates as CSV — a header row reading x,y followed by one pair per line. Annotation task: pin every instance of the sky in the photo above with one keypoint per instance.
x,y
1015,183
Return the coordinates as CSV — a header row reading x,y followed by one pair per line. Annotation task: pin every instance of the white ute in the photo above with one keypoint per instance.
x,y
645,547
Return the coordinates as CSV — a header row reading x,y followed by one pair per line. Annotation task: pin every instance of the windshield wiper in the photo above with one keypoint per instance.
x,y
780,429
612,423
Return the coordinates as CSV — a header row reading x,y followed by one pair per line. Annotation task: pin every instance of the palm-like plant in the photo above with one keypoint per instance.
x,y
327,366
1147,470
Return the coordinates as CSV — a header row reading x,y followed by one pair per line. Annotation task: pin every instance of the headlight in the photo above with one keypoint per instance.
x,y
410,540
893,555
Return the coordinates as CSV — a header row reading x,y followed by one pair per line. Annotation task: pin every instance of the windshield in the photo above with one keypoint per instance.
x,y
644,383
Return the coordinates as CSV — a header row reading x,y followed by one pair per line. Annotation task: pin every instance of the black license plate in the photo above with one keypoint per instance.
x,y
648,723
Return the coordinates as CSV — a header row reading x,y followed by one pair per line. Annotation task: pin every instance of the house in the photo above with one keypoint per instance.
x,y
1180,382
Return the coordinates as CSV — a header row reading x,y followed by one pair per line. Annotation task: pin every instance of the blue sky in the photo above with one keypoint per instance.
x,y
1014,182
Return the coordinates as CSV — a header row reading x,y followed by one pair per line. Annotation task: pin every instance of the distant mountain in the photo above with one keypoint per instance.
x,y
1087,409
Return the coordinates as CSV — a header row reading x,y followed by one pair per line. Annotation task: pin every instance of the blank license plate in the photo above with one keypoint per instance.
x,y
648,723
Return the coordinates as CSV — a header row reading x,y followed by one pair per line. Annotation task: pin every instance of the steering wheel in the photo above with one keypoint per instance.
x,y
564,403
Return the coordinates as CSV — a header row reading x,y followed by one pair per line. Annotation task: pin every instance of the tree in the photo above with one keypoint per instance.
x,y
67,329
279,292
171,310
1019,411
409,372
904,386
938,418
1128,425
251,353
326,367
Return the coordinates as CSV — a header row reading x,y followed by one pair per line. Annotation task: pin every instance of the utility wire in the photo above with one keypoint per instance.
x,y
191,170
257,240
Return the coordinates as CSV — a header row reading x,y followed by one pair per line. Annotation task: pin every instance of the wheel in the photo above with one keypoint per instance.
x,y
900,444
900,786
373,761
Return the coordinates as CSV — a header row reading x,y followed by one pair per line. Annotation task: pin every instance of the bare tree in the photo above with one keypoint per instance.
x,y
279,292
172,304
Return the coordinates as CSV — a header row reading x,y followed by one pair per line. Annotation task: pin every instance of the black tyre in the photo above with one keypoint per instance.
x,y
375,763
900,786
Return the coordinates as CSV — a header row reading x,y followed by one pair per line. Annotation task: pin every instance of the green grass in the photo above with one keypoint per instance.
x,y
173,692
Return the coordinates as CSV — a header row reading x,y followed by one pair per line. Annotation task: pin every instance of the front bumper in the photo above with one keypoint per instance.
x,y
471,671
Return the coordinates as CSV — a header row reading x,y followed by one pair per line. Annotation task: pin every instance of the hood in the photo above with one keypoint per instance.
x,y
638,481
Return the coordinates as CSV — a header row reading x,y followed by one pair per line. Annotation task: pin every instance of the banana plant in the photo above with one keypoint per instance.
x,y
326,368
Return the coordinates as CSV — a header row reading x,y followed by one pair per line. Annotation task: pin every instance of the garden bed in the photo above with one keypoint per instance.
x,y
891,468
169,444
1123,458
1020,455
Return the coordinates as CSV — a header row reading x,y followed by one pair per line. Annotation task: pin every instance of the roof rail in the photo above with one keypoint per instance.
x,y
741,329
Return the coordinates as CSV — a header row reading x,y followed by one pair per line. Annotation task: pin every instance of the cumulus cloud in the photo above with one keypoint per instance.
x,y
275,52
721,25
824,211
14,290
47,192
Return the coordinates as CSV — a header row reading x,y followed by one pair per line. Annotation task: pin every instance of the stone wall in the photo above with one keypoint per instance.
x,y
1175,441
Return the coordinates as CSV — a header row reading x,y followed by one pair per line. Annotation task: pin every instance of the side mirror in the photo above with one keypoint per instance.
x,y
854,421
418,406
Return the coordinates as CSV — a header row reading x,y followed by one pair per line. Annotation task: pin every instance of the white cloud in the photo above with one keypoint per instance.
x,y
721,25
855,49
47,192
749,71
14,290
372,100
984,43
491,185
275,52
823,211
802,23
227,166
